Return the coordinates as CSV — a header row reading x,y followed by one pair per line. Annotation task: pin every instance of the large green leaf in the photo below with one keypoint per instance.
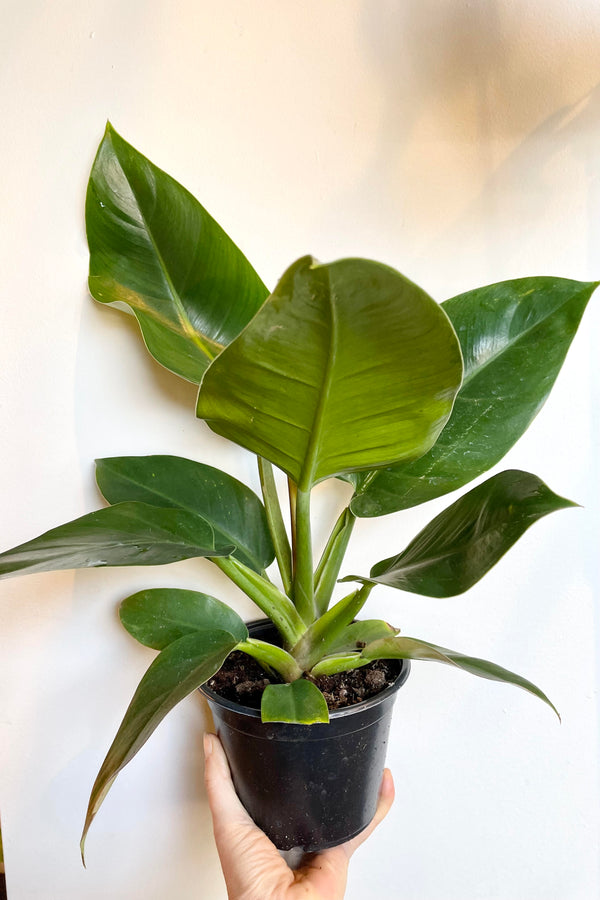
x,y
159,616
514,338
128,534
346,366
153,247
179,669
464,541
411,648
234,511
300,702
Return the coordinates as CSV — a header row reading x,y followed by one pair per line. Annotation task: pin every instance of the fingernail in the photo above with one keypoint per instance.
x,y
208,745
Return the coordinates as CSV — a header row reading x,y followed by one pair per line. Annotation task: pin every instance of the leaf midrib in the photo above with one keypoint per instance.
x,y
476,372
186,325
306,479
159,712
216,530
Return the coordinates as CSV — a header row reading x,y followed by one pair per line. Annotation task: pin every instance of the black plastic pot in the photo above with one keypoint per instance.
x,y
307,786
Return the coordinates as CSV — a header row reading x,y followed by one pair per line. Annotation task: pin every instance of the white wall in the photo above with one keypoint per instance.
x,y
455,141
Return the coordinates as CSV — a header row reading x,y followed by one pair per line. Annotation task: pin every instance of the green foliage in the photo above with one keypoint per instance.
x,y
358,634
327,630
272,658
128,534
301,702
411,648
464,541
160,616
347,369
177,671
316,385
514,338
153,247
234,512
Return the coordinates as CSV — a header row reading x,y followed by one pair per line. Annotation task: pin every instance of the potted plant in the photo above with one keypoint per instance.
x,y
345,370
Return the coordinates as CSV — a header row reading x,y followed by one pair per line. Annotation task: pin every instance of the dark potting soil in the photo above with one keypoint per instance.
x,y
242,679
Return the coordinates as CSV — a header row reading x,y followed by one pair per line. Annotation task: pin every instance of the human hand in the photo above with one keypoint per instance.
x,y
252,865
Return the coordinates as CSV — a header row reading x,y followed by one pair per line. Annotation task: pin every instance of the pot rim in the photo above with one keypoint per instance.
x,y
356,708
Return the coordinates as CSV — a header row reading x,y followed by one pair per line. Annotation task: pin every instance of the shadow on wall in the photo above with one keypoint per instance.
x,y
541,203
486,69
487,109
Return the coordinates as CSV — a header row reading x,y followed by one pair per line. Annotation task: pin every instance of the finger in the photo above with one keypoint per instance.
x,y
384,804
247,855
224,803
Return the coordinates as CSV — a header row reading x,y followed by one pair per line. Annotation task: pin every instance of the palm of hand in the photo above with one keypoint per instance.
x,y
252,865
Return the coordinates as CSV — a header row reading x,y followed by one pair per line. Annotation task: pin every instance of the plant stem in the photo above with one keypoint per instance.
x,y
292,494
272,656
304,597
279,608
330,563
322,634
283,552
332,665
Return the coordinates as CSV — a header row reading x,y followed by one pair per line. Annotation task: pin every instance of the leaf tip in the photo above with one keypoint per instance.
x,y
82,847
554,709
551,705
109,131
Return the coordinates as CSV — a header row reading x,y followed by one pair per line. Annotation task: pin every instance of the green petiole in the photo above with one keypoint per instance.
x,y
283,552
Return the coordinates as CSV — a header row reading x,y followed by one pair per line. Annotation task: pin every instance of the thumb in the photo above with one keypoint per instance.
x,y
225,806
251,865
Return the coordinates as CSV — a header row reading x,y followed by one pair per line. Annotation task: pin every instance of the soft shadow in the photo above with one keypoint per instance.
x,y
477,100
518,200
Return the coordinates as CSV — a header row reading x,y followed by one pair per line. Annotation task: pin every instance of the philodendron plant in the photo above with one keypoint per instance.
x,y
345,370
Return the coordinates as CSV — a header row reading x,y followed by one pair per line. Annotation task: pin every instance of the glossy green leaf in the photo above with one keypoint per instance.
x,y
128,534
411,648
514,338
153,247
464,541
233,510
346,366
160,616
358,634
300,702
179,669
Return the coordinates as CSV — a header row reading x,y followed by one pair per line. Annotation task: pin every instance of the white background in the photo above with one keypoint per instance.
x,y
456,141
